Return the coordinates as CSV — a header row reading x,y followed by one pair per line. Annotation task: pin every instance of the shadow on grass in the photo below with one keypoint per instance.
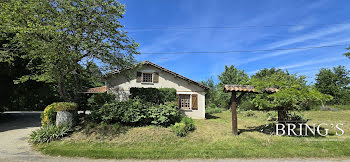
x,y
211,116
270,129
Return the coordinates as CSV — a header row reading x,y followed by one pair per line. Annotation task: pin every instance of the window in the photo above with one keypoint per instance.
x,y
147,77
185,101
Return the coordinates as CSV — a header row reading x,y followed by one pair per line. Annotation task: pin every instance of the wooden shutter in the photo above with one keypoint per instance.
x,y
178,100
155,77
139,77
194,102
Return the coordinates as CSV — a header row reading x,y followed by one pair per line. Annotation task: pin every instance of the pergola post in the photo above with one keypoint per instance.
x,y
243,89
234,113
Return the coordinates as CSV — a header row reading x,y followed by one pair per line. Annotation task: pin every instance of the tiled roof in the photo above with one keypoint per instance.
x,y
96,90
246,88
163,69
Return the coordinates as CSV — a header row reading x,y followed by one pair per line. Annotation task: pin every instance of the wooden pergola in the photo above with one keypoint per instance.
x,y
235,99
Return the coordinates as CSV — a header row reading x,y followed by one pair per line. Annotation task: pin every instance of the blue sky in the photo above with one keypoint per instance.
x,y
313,23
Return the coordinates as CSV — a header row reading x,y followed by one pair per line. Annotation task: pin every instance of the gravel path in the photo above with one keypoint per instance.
x,y
14,144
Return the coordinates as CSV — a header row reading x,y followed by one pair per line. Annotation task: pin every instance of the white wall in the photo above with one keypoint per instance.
x,y
120,84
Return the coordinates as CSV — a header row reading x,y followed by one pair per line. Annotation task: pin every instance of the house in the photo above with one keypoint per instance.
x,y
191,94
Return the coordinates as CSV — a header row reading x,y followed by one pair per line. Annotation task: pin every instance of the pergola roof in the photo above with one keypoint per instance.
x,y
246,88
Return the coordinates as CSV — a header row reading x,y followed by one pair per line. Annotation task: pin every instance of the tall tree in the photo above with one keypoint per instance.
x,y
211,94
231,75
67,36
334,82
293,94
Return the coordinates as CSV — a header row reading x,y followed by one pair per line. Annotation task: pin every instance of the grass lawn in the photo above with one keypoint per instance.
x,y
211,139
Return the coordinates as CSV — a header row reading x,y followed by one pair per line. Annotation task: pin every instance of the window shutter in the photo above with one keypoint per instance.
x,y
138,77
156,77
178,100
194,102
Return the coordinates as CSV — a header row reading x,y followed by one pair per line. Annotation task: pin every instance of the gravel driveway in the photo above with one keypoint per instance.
x,y
14,144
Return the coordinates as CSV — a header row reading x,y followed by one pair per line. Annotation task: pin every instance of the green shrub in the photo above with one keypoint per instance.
x,y
213,110
153,95
49,133
164,114
99,99
185,126
136,112
189,123
49,115
246,105
66,106
297,118
180,129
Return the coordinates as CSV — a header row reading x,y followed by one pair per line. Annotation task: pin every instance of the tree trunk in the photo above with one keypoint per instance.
x,y
282,115
61,89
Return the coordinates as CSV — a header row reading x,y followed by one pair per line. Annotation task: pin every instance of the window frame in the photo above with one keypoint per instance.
x,y
190,100
142,80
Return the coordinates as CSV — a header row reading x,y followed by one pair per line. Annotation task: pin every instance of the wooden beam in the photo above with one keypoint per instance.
x,y
240,96
234,113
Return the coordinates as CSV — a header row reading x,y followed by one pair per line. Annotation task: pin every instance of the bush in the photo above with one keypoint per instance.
x,y
49,115
180,129
213,110
99,99
184,127
247,105
49,133
189,124
154,95
164,114
136,112
66,106
297,118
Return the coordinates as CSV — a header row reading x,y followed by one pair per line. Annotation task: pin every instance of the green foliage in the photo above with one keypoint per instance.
x,y
184,127
99,99
180,129
189,123
153,95
213,110
49,115
136,112
91,31
211,94
334,82
49,133
297,117
164,114
246,105
293,93
66,106
231,75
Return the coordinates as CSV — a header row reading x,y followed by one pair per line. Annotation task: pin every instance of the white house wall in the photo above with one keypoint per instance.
x,y
120,84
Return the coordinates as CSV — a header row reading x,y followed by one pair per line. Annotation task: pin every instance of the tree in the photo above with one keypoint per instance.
x,y
334,82
348,53
231,75
293,94
66,37
211,94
